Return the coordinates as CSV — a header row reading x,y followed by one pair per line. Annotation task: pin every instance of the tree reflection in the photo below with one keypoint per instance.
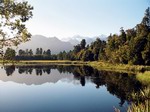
x,y
24,69
39,70
118,84
47,70
82,80
9,70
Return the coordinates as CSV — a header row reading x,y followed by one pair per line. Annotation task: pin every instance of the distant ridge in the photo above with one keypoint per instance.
x,y
52,43
77,39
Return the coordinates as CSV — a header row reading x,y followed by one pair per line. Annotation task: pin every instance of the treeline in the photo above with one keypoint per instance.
x,y
40,54
129,47
28,54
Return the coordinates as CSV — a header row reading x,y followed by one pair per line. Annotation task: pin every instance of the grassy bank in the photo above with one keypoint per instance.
x,y
45,62
96,64
118,67
144,77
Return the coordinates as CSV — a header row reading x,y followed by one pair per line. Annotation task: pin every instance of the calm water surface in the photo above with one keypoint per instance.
x,y
64,89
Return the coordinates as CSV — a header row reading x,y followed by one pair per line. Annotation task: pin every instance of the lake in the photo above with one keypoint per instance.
x,y
54,88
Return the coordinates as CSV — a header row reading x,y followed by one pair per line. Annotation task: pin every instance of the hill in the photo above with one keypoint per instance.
x,y
52,43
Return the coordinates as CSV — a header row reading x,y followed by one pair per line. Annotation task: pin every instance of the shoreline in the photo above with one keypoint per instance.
x,y
95,64
119,67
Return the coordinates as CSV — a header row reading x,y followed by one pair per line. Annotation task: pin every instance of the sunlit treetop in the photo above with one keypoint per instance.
x,y
13,15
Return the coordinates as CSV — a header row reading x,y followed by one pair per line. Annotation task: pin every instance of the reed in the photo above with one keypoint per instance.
x,y
143,101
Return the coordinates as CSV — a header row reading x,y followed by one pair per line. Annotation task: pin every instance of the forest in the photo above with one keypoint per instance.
x,y
131,46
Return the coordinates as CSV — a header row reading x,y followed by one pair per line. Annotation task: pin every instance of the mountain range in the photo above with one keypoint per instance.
x,y
77,39
55,44
52,43
33,79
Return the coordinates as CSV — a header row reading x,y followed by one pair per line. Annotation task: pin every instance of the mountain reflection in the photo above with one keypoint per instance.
x,y
119,84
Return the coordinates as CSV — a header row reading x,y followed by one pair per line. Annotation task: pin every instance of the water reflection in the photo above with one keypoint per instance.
x,y
9,70
118,84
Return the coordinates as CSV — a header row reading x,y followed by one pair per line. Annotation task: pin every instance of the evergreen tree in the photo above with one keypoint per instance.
x,y
48,52
83,43
30,52
9,54
40,51
37,51
21,52
123,35
146,18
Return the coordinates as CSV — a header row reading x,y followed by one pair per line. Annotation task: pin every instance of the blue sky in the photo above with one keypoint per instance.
x,y
66,18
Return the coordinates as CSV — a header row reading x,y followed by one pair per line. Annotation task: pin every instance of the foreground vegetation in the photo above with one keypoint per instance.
x,y
143,106
42,62
144,77
95,64
141,101
119,67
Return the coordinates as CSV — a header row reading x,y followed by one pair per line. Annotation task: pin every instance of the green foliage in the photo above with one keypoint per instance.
x,y
122,35
131,46
48,52
83,43
39,51
13,15
142,101
80,46
30,52
87,56
39,55
9,54
144,77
